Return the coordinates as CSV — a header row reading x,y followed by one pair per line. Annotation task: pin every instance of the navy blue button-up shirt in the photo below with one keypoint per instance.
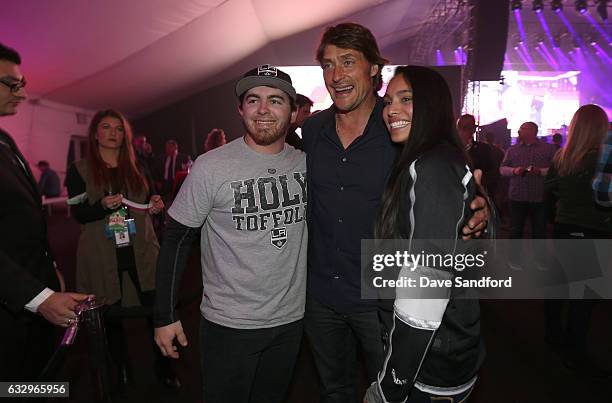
x,y
344,190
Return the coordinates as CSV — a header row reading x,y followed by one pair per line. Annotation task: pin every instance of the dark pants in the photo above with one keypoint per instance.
x,y
114,316
248,365
521,211
568,321
26,345
333,338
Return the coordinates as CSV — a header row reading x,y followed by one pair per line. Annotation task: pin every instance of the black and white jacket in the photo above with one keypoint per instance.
x,y
434,344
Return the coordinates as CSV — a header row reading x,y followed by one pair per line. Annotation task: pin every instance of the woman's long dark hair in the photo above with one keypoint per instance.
x,y
433,123
128,172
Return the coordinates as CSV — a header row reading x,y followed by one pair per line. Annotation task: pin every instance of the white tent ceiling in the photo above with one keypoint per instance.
x,y
140,55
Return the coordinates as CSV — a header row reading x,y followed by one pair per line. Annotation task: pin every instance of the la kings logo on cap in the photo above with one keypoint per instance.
x,y
267,70
278,237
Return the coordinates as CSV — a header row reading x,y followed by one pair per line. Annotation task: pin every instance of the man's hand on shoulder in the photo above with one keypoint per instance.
x,y
478,222
165,335
59,307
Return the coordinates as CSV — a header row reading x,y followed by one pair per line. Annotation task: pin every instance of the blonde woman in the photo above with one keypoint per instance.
x,y
577,216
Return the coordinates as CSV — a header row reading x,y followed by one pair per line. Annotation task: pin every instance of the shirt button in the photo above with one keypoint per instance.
x,y
341,188
337,249
344,159
340,220
336,277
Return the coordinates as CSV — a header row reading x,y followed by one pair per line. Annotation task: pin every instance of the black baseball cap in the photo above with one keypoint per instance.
x,y
268,76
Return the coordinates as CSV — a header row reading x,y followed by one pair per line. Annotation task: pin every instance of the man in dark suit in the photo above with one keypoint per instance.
x,y
484,156
49,181
27,274
171,163
304,105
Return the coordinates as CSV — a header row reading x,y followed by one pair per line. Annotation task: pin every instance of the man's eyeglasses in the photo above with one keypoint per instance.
x,y
14,86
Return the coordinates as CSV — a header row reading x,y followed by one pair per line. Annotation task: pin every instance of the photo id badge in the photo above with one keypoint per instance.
x,y
118,226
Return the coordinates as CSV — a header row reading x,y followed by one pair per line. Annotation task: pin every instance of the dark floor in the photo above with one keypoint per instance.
x,y
520,367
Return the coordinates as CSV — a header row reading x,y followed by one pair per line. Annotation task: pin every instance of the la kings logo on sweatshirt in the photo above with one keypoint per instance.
x,y
270,203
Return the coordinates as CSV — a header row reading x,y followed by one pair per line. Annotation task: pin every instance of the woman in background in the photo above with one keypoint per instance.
x,y
434,348
117,249
577,216
216,138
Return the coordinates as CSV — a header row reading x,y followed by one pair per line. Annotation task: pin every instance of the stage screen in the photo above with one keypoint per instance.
x,y
546,98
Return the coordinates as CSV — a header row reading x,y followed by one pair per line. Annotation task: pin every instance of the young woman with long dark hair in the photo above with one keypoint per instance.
x,y
434,347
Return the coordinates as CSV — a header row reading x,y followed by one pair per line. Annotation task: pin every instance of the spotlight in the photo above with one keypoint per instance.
x,y
581,6
602,9
557,6
516,5
538,6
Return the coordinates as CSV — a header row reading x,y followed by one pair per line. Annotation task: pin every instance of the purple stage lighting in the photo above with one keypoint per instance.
x,y
457,57
602,9
526,62
563,59
544,25
557,6
525,51
602,53
538,6
550,56
519,24
586,56
463,56
598,27
590,75
581,6
571,29
516,5
507,63
521,29
546,59
578,58
439,58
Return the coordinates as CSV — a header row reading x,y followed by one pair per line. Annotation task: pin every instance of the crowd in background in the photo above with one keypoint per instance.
x,y
390,155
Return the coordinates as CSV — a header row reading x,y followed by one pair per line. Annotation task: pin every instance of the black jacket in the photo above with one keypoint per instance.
x,y
26,265
435,344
